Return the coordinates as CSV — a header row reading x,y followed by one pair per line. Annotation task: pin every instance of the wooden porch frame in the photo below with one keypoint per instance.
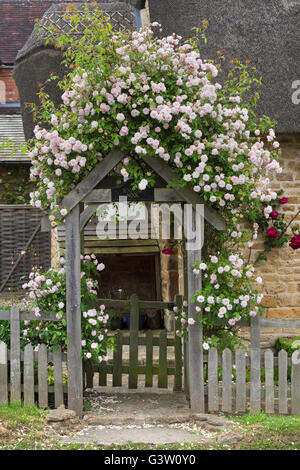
x,y
84,192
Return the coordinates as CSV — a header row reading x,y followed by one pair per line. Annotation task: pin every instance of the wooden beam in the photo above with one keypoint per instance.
x,y
186,194
98,196
94,177
86,214
195,337
73,294
160,195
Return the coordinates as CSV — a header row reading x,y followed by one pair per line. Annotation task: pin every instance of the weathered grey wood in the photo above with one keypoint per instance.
x,y
45,223
282,382
43,376
75,386
117,361
296,382
227,381
3,374
255,388
279,323
82,241
15,356
86,214
178,350
166,195
28,375
186,194
213,395
185,341
58,377
149,359
133,348
196,378
17,262
103,373
240,363
28,315
94,177
162,361
98,196
269,384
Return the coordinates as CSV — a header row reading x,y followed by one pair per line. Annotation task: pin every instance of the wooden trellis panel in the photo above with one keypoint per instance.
x,y
17,224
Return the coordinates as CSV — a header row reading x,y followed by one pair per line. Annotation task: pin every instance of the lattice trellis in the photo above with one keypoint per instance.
x,y
17,223
61,21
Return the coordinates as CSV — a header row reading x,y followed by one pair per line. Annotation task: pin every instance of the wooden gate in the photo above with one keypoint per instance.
x,y
120,367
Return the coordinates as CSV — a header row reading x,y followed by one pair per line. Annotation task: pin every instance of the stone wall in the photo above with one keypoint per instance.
x,y
281,271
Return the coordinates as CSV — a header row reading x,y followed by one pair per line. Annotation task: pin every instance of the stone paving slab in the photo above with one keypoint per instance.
x,y
121,436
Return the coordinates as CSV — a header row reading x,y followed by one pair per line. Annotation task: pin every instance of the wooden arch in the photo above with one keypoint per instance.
x,y
85,193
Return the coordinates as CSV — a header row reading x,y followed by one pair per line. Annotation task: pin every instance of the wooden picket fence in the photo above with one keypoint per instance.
x,y
24,375
235,394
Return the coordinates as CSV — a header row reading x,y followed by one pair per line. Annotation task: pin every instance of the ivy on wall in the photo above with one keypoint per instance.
x,y
14,183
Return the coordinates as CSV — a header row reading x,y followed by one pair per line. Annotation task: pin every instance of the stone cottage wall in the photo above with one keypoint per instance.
x,y
281,271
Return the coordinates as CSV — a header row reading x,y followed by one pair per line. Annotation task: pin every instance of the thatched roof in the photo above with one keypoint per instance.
x,y
264,32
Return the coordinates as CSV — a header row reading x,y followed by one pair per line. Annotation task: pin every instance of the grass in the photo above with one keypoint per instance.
x,y
27,430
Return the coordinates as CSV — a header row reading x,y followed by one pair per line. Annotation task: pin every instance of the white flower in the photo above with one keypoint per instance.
x,y
205,346
143,184
191,321
61,305
259,280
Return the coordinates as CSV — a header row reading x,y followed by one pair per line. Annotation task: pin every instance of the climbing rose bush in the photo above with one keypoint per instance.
x,y
46,292
228,294
156,96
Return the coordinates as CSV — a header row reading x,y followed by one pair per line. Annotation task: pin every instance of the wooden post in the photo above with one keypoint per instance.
x,y
240,363
196,379
3,374
177,350
255,387
75,386
133,346
28,375
15,355
58,377
282,382
81,209
296,382
227,381
42,376
185,341
269,381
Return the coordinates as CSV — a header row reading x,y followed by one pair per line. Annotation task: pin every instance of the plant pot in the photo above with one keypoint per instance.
x,y
116,324
142,320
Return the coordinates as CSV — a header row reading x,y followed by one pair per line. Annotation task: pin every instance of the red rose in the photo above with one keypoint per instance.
x,y
274,215
295,242
283,200
272,233
167,250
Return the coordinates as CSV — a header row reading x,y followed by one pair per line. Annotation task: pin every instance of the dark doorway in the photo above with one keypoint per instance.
x,y
133,274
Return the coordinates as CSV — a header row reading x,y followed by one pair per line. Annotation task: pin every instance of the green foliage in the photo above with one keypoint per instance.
x,y
14,184
290,344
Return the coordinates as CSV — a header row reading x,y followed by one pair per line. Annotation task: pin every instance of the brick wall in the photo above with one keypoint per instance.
x,y
11,90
